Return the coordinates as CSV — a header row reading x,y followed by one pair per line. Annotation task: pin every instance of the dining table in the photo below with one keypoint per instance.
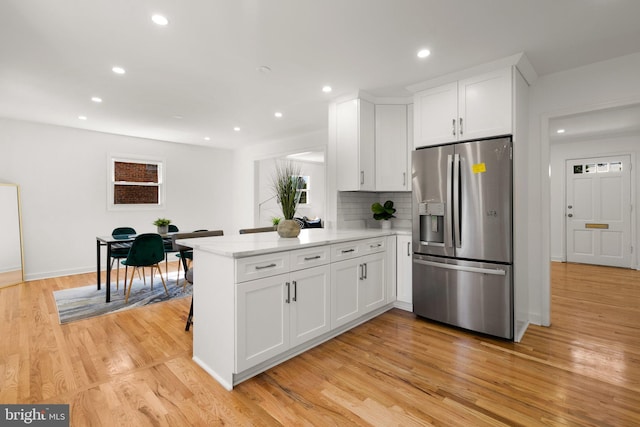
x,y
111,242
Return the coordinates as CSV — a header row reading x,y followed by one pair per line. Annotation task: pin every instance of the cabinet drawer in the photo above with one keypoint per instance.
x,y
256,267
372,246
347,250
306,258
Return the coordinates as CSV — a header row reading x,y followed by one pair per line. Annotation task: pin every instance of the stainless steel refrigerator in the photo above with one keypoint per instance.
x,y
462,235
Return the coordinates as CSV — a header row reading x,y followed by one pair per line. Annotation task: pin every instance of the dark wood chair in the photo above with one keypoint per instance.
x,y
183,250
189,278
256,230
185,253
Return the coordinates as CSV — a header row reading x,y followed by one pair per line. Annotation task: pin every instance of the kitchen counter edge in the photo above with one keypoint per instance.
x,y
246,245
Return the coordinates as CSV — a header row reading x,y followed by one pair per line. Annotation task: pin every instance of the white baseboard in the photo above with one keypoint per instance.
x,y
49,274
406,306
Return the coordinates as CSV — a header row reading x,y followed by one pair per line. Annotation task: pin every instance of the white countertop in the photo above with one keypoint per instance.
x,y
244,245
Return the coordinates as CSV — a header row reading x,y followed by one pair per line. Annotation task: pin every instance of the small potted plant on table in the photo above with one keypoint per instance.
x,y
162,224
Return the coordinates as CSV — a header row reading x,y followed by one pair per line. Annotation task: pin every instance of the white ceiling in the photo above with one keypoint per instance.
x,y
597,124
198,77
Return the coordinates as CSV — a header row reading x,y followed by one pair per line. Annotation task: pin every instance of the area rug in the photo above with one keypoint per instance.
x,y
87,301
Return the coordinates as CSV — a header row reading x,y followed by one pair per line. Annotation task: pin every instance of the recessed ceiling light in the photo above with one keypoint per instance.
x,y
177,117
326,89
423,53
264,69
82,117
206,138
278,114
96,99
160,20
560,131
237,129
118,70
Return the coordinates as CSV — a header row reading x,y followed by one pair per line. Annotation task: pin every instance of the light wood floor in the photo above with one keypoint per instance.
x,y
135,368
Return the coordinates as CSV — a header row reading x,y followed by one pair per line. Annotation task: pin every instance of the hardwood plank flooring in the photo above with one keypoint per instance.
x,y
134,368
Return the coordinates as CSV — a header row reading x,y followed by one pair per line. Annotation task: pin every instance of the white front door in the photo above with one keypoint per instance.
x,y
598,211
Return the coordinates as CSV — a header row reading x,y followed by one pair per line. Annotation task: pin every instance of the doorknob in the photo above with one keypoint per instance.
x,y
570,206
570,215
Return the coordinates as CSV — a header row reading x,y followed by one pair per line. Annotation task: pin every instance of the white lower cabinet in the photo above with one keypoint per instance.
x,y
345,294
286,302
358,286
262,320
404,266
280,312
373,284
310,312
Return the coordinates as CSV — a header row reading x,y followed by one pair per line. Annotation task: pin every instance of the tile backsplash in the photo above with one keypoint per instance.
x,y
354,209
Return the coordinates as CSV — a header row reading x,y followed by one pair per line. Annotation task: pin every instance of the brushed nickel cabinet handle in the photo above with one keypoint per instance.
x,y
260,267
461,127
295,291
288,300
453,127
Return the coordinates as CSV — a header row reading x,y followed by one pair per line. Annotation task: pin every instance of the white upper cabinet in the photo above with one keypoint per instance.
x,y
472,108
435,115
485,105
355,151
392,155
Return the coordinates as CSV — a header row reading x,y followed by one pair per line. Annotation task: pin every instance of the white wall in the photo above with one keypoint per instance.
x,y
246,179
592,87
560,152
62,174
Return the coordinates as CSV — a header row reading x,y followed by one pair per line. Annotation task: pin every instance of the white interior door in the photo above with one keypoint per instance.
x,y
598,211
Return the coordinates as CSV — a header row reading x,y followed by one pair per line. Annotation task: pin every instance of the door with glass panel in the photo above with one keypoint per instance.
x,y
598,211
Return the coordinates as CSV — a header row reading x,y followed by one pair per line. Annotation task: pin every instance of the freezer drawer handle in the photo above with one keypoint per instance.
x,y
497,271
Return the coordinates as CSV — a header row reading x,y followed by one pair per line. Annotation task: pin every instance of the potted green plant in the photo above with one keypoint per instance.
x,y
162,224
383,213
275,221
286,186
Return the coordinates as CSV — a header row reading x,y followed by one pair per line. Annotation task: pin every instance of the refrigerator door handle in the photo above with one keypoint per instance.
x,y
456,201
448,233
495,272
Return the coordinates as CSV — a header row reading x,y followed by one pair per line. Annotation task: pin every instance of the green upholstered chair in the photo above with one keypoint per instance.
x,y
147,250
168,246
120,251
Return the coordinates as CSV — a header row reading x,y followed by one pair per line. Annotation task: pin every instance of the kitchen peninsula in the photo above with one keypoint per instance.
x,y
260,299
